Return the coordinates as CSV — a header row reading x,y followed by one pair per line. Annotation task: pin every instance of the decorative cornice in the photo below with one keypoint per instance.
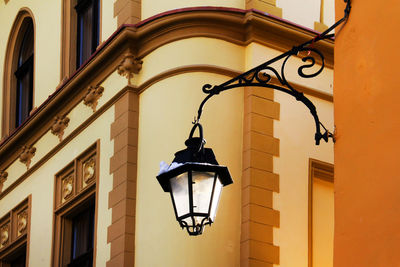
x,y
129,65
59,125
92,96
234,25
27,154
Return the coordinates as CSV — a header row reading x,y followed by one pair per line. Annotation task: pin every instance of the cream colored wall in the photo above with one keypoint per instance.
x,y
167,109
109,23
306,12
296,131
323,223
151,8
41,185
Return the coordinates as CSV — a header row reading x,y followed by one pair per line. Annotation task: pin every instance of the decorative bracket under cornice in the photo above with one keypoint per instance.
x,y
59,125
92,96
129,65
27,154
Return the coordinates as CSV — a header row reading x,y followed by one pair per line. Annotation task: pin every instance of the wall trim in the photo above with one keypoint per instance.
x,y
123,167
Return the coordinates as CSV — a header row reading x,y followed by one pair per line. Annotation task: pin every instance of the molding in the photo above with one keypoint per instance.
x,y
227,72
238,26
316,170
268,6
64,142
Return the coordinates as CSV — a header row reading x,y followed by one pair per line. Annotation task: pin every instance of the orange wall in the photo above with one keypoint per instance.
x,y
367,118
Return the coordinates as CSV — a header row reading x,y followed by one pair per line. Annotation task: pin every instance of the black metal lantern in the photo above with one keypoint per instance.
x,y
195,181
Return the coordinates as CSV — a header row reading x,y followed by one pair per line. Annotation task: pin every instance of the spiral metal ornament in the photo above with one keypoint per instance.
x,y
261,76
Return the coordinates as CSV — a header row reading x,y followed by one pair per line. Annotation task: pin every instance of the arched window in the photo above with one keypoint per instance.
x,y
18,79
24,76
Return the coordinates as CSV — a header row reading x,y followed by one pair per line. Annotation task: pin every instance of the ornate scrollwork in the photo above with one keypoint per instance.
x,y
4,235
67,187
59,125
262,76
22,222
89,170
27,154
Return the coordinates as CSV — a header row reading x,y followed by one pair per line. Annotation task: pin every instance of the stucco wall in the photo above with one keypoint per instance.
x,y
166,110
367,201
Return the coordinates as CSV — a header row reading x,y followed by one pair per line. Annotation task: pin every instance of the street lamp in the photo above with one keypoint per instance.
x,y
194,179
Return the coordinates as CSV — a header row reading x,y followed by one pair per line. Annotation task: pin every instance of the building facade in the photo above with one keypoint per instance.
x,y
96,93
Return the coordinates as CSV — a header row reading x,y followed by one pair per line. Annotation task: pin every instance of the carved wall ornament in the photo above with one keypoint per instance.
x,y
88,170
22,222
129,65
27,154
67,186
92,96
4,235
59,125
3,178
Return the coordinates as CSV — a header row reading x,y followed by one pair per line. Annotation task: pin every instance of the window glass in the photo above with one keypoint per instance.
x,y
87,29
82,238
24,75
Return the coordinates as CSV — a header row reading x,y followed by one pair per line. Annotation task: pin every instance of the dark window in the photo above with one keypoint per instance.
x,y
16,258
82,238
87,12
24,75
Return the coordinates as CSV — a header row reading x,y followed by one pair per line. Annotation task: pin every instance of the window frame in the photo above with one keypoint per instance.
x,y
80,7
10,67
81,196
69,40
17,240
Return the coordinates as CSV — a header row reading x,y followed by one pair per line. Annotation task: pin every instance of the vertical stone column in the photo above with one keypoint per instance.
x,y
268,6
123,166
259,182
127,11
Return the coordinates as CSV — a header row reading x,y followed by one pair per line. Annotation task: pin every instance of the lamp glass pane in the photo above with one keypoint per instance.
x,y
215,200
202,188
180,193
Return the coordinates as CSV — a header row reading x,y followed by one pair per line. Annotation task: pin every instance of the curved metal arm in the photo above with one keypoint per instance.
x,y
261,76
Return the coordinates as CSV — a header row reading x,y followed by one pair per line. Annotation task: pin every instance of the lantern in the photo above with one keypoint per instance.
x,y
195,181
